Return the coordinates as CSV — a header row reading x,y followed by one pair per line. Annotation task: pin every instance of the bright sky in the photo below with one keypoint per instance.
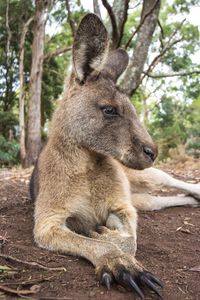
x,y
89,5
194,16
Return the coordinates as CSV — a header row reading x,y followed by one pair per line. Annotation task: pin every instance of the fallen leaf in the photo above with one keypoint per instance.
x,y
5,269
186,231
35,288
195,269
179,228
187,223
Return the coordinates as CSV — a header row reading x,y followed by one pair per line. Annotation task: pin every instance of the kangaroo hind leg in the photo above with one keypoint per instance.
x,y
149,203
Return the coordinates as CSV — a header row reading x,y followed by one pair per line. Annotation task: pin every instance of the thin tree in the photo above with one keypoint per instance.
x,y
33,141
25,27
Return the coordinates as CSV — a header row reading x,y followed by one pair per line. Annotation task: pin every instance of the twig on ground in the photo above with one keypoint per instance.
x,y
195,269
31,263
30,282
4,238
18,292
52,298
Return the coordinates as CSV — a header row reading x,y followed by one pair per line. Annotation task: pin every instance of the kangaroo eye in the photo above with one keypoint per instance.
x,y
109,110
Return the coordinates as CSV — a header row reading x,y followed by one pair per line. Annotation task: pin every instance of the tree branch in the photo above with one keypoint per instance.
x,y
162,36
120,9
145,106
69,19
136,5
141,23
161,29
165,75
175,31
165,48
156,59
115,36
152,92
149,17
57,52
96,8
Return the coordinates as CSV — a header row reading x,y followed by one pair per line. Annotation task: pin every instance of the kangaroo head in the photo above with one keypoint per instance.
x,y
100,117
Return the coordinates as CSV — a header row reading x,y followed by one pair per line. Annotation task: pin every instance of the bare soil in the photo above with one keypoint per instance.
x,y
168,245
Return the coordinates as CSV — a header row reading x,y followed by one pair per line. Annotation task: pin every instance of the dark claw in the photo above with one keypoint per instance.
x,y
154,279
98,228
147,281
132,284
107,280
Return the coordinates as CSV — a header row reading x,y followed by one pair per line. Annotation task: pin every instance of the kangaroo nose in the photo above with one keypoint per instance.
x,y
150,152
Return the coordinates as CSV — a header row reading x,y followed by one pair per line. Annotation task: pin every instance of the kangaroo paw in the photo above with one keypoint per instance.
x,y
126,271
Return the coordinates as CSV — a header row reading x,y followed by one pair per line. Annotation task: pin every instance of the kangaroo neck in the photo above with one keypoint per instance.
x,y
74,155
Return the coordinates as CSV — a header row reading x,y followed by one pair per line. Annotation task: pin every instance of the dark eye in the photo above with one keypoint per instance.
x,y
109,110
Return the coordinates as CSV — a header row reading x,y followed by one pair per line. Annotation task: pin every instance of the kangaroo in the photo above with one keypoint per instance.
x,y
88,177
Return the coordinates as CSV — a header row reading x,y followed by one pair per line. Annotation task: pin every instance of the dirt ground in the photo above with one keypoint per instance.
x,y
168,245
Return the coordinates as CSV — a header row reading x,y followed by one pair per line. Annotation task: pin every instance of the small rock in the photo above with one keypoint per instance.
x,y
92,294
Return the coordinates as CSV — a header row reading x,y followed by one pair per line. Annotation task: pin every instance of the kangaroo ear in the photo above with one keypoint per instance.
x,y
90,47
116,64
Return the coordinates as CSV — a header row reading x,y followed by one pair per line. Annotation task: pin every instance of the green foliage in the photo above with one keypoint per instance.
x,y
173,124
52,86
130,26
194,128
173,115
174,118
7,121
137,99
9,152
19,12
55,68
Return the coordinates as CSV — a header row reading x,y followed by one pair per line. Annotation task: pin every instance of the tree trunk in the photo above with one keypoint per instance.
x,y
8,62
34,112
131,79
21,93
120,9
96,8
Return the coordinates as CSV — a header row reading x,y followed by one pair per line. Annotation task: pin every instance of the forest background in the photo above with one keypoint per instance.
x,y
162,79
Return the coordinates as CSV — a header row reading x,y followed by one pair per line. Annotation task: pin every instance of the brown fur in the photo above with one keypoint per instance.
x,y
83,195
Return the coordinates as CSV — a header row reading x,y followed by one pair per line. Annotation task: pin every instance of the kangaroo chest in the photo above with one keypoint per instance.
x,y
104,187
108,185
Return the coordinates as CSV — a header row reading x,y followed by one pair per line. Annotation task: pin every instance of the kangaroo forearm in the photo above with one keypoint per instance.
x,y
127,245
125,242
60,238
